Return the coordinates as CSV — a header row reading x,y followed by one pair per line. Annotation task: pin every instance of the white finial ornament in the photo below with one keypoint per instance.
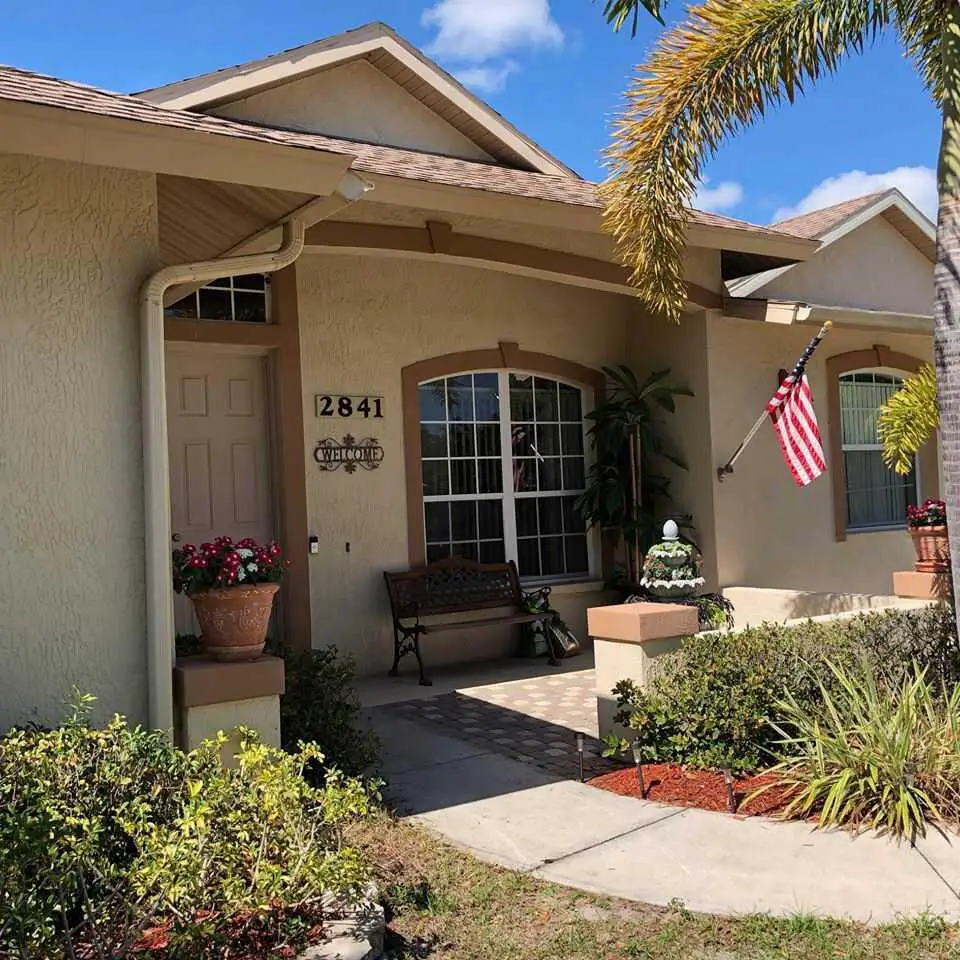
x,y
671,531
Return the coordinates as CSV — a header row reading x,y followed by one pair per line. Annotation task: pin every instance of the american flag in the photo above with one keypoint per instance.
x,y
795,422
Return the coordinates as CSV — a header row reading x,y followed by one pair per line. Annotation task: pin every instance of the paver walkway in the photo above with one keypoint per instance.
x,y
523,811
535,721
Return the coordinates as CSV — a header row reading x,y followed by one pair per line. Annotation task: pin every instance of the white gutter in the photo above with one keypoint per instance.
x,y
156,466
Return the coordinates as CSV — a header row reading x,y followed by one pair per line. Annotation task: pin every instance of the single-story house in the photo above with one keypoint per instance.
x,y
411,382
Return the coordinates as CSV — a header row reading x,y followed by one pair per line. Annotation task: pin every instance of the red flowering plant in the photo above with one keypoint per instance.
x,y
224,563
930,513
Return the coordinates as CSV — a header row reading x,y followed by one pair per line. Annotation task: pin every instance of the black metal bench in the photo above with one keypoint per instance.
x,y
451,586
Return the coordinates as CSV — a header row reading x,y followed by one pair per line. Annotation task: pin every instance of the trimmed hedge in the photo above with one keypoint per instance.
x,y
713,701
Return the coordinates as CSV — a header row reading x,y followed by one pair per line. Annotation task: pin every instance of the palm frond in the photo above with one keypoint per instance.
x,y
618,12
706,79
920,26
908,419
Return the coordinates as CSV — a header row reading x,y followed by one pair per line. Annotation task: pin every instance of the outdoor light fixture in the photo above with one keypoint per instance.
x,y
728,783
638,761
580,753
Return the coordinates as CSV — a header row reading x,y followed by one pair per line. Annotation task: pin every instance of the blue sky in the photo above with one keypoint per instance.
x,y
553,67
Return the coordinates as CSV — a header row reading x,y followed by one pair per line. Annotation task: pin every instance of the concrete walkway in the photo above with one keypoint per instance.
x,y
514,814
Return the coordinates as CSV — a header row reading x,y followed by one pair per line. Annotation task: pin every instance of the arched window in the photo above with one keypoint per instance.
x,y
876,496
502,463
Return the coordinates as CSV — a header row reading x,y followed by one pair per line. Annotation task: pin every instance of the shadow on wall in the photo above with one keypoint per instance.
x,y
756,605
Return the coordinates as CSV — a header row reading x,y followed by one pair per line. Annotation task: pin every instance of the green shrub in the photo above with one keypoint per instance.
x,y
106,832
321,706
875,755
710,705
712,702
894,640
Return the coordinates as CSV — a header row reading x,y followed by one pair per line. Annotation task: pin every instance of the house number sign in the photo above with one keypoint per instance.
x,y
349,453
346,405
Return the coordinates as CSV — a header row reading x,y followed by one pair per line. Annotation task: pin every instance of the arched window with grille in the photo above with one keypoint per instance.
x,y
875,496
502,464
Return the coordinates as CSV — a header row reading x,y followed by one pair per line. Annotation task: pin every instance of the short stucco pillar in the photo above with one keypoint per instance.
x,y
627,641
211,697
922,586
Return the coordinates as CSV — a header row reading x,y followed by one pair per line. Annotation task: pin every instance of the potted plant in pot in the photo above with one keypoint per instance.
x,y
232,587
928,530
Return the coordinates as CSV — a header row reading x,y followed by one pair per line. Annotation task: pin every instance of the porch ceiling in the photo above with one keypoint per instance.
x,y
202,219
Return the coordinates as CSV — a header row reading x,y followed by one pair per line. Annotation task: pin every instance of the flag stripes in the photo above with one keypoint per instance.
x,y
795,422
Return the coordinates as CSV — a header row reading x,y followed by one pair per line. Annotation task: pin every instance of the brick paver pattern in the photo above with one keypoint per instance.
x,y
535,721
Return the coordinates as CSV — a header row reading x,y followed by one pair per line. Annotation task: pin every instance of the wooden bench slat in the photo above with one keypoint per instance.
x,y
486,622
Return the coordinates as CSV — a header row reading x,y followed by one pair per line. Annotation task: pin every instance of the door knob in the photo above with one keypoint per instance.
x,y
177,538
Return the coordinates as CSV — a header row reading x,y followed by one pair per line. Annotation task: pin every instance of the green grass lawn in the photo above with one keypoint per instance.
x,y
444,904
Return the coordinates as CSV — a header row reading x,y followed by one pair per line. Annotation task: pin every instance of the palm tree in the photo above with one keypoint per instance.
x,y
717,73
909,419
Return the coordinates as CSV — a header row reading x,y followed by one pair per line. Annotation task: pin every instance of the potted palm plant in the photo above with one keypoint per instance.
x,y
928,530
232,587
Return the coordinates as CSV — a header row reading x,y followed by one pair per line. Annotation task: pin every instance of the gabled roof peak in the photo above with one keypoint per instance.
x,y
397,59
815,223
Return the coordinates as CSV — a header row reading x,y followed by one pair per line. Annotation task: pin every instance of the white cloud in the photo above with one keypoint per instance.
x,y
473,31
487,79
721,197
918,184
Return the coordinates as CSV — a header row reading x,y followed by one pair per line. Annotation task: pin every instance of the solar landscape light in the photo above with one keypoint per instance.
x,y
580,753
728,783
638,762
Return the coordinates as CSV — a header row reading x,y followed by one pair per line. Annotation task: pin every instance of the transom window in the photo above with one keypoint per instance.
x,y
243,299
876,496
503,464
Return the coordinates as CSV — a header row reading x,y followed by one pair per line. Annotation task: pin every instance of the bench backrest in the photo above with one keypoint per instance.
x,y
453,586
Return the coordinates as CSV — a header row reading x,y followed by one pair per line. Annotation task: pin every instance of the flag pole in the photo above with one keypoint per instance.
x,y
727,469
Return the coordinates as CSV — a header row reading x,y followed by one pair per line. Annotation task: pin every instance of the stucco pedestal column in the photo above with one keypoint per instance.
x,y
627,641
210,697
921,586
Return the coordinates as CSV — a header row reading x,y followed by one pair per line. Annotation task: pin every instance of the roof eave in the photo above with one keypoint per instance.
x,y
56,133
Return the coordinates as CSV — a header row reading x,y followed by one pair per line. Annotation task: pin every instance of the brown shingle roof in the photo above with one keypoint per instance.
x,y
25,86
816,223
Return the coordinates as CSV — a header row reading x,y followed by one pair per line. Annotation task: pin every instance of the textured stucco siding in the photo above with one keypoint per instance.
x,y
681,348
874,267
769,532
75,241
362,320
358,102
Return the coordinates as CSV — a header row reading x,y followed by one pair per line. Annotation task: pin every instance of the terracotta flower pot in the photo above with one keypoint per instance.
x,y
234,620
932,549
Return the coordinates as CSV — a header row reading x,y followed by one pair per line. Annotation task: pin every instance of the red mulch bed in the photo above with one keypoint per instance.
x,y
705,789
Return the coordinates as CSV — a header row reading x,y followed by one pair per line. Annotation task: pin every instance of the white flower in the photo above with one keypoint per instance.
x,y
252,567
241,573
244,553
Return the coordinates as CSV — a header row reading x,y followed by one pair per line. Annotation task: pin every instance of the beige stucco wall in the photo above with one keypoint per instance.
x,y
362,320
358,102
658,344
873,267
770,533
75,241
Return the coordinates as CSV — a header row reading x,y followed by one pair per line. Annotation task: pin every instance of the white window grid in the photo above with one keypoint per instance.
x,y
509,495
859,410
189,307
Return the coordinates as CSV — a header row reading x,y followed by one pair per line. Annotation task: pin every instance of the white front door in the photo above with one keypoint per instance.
x,y
219,451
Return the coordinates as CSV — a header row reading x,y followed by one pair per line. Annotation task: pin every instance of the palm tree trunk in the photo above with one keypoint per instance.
x,y
947,282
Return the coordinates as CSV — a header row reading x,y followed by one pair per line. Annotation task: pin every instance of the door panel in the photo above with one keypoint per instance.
x,y
219,452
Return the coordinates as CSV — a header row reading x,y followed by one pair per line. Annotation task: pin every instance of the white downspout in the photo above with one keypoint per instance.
x,y
156,469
